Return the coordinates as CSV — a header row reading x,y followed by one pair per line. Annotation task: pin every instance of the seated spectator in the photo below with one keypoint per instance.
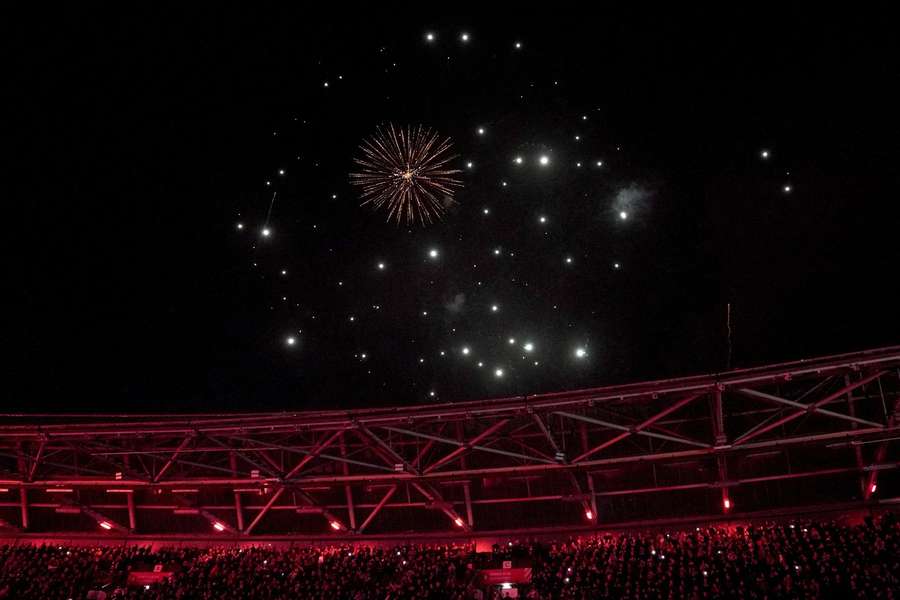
x,y
801,560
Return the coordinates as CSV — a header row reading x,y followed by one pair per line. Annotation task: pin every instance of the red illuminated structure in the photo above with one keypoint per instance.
x,y
804,433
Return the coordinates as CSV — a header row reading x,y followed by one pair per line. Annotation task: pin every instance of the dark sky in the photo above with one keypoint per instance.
x,y
147,137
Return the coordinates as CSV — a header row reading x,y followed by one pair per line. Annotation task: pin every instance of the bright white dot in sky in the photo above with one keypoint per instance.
x,y
363,356
577,137
542,219
787,189
764,154
503,183
464,36
352,318
481,131
424,313
443,353
512,341
291,340
268,183
496,251
528,347
616,266
431,393
381,266
469,165
480,364
518,45
429,37
584,117
544,160
518,160
284,271
580,352
465,350
281,171
494,308
599,163
334,196
326,84
623,215
498,372
487,211
568,260
578,164
240,225
266,232
433,253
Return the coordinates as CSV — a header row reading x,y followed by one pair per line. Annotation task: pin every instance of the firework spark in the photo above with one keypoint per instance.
x,y
407,173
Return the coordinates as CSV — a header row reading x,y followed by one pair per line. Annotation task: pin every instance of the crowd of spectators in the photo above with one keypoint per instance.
x,y
802,559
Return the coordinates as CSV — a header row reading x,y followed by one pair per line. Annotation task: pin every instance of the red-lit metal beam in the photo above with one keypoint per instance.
x,y
467,445
263,511
805,409
313,454
390,455
171,461
384,500
880,454
626,429
348,491
637,428
510,469
435,498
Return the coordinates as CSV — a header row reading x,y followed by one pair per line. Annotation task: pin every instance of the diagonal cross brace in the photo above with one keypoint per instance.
x,y
804,409
455,453
637,428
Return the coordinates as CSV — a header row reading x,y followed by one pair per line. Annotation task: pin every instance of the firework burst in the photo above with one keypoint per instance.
x,y
407,173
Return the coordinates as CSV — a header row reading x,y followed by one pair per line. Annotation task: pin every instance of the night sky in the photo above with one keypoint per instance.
x,y
693,161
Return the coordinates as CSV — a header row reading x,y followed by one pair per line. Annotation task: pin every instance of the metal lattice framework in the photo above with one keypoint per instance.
x,y
744,439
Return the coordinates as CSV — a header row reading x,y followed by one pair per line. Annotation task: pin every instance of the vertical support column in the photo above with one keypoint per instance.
x,y
720,437
585,446
132,517
718,417
23,505
23,492
857,449
348,492
871,483
468,495
238,509
467,490
129,497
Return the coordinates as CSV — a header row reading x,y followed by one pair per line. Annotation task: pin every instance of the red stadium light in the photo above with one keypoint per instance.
x,y
458,521
105,525
727,504
218,526
873,488
589,514
336,525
